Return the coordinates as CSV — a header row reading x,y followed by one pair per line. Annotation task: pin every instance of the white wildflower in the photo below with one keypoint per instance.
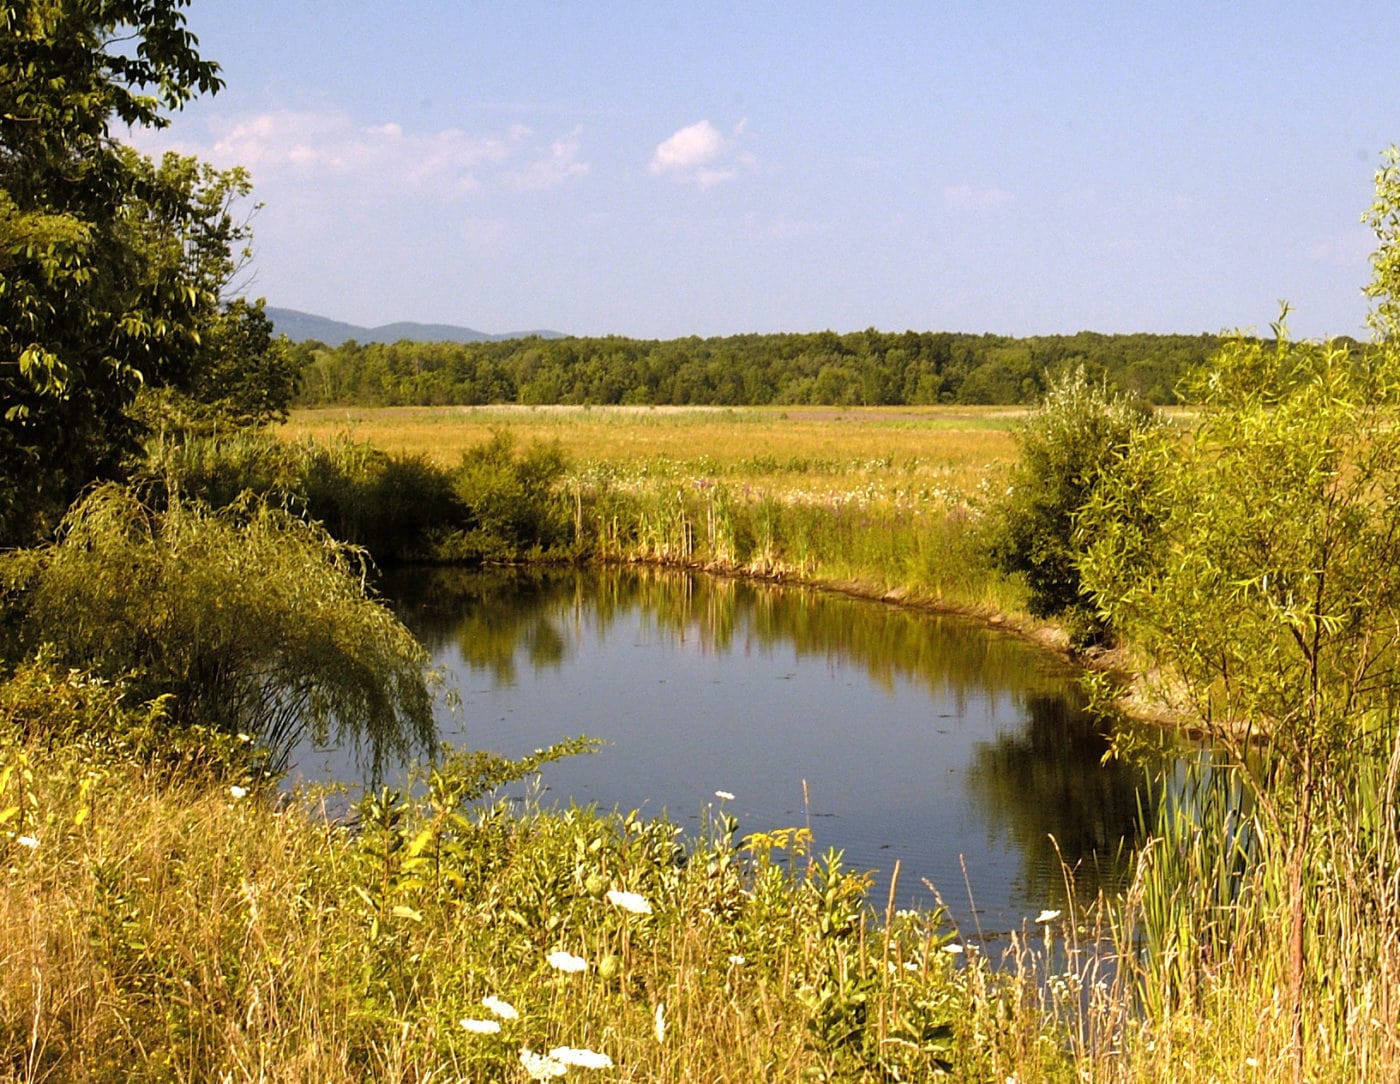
x,y
238,792
27,841
482,1027
738,960
581,1057
724,796
504,1009
660,1022
629,901
541,1066
953,948
1047,916
567,962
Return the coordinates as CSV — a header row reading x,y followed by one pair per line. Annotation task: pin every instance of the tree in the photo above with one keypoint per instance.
x,y
1270,587
249,619
107,262
244,373
1079,434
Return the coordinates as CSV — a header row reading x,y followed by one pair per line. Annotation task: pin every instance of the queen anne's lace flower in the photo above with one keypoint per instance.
x,y
504,1009
541,1066
581,1057
482,1027
567,961
629,901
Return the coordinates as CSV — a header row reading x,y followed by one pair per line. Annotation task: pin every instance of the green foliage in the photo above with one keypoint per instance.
x,y
1075,440
1383,217
865,368
178,930
509,500
248,620
98,722
244,375
106,260
1270,590
498,504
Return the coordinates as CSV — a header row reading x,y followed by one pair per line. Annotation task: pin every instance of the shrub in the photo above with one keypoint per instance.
x,y
509,498
249,619
1079,432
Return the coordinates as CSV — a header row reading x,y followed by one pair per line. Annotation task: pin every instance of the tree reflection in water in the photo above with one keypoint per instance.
x,y
1028,761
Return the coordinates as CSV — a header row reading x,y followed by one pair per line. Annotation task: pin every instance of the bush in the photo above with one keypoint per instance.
x,y
1079,432
509,500
248,619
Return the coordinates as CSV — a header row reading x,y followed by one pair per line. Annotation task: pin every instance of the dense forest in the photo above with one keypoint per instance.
x,y
864,368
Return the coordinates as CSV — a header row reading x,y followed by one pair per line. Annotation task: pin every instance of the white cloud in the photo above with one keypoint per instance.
x,y
965,197
700,154
559,166
371,162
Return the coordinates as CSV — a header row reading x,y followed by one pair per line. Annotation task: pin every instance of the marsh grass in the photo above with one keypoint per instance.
x,y
885,499
172,927
749,440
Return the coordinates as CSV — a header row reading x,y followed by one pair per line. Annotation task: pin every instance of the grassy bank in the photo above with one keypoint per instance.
x,y
163,926
882,500
166,918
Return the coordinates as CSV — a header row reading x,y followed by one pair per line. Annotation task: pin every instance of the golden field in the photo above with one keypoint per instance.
x,y
957,444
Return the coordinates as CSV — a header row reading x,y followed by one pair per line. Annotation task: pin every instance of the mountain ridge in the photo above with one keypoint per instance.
x,y
300,326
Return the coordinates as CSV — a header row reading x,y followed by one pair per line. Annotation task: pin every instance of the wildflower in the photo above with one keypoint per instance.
x,y
953,948
737,960
482,1027
238,792
660,1022
581,1057
567,962
724,796
1253,1063
541,1066
1047,916
629,901
27,841
504,1009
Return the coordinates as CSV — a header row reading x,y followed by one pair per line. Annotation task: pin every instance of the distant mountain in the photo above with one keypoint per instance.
x,y
299,326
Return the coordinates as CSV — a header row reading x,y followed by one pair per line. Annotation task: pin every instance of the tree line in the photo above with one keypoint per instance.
x,y
863,368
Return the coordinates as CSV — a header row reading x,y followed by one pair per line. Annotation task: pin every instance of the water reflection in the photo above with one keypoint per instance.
x,y
929,739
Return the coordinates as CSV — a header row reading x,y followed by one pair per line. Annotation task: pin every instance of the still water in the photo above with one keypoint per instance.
x,y
959,750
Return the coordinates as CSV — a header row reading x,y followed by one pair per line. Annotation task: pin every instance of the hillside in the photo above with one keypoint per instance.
x,y
305,326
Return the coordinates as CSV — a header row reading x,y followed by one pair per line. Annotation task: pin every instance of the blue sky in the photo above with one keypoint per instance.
x,y
659,170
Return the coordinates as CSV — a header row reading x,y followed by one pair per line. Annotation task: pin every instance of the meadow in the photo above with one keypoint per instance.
x,y
168,915
879,500
753,444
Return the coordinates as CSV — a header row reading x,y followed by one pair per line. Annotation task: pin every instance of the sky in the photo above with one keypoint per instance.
x,y
659,170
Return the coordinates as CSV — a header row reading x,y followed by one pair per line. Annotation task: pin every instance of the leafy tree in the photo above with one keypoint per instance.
x,y
100,250
1271,587
1078,436
243,372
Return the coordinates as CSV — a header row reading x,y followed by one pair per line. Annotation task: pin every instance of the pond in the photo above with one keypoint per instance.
x,y
962,751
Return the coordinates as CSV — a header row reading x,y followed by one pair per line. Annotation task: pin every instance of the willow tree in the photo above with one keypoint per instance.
x,y
246,620
1257,558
